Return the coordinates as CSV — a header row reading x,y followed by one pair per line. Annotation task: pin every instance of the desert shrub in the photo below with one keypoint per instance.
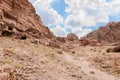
x,y
17,65
7,61
59,52
73,52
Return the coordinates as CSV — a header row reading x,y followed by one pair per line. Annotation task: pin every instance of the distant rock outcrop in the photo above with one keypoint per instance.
x,y
18,18
89,41
107,34
72,37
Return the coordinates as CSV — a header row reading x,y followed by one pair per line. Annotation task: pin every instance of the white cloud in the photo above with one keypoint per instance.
x,y
83,14
72,21
59,31
87,13
80,32
48,15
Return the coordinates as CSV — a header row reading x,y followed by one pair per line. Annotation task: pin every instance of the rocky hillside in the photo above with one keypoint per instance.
x,y
107,34
42,56
22,60
18,18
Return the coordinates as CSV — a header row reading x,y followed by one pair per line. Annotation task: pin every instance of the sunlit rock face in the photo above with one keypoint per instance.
x,y
107,34
18,18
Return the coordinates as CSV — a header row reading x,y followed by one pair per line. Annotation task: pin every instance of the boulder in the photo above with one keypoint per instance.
x,y
114,49
61,39
72,37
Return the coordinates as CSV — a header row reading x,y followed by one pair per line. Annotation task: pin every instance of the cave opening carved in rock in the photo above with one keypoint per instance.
x,y
24,37
6,33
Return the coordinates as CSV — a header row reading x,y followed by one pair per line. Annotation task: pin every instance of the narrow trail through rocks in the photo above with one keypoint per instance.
x,y
88,69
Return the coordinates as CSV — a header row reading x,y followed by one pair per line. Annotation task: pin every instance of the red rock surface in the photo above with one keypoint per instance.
x,y
7,72
89,41
107,34
114,49
72,37
18,17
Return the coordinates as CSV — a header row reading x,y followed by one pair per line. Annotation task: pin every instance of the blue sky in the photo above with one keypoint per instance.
x,y
60,6
76,16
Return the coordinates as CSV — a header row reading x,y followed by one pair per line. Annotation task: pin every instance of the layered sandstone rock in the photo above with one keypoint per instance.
x,y
61,39
107,34
89,41
18,18
114,49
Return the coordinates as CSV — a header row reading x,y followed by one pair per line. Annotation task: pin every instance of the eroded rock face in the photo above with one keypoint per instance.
x,y
89,41
107,34
19,17
61,39
115,49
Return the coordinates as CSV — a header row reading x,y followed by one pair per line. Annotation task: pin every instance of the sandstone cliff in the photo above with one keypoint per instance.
x,y
107,34
18,18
